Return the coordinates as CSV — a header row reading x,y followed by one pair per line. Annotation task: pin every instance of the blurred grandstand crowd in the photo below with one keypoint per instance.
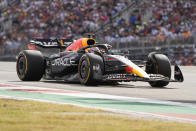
x,y
73,18
169,18
55,18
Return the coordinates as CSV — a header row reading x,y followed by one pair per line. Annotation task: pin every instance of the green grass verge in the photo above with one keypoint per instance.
x,y
25,115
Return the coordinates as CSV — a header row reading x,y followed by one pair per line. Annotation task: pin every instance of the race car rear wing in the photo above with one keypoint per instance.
x,y
49,43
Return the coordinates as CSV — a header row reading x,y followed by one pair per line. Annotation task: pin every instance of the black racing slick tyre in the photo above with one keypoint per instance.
x,y
158,64
30,65
90,69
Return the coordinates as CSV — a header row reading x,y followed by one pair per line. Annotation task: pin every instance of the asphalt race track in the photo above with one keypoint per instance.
x,y
179,92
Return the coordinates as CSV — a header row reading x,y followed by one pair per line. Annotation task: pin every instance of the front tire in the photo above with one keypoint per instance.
x,y
90,69
30,65
158,64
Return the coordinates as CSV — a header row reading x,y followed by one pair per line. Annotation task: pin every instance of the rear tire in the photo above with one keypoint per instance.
x,y
30,65
158,64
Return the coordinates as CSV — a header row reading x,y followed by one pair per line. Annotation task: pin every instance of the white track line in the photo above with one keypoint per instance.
x,y
99,96
132,113
103,96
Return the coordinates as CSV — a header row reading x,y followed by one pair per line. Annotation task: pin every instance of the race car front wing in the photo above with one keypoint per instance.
x,y
178,77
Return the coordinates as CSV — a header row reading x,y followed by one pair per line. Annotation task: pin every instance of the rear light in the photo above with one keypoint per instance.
x,y
110,59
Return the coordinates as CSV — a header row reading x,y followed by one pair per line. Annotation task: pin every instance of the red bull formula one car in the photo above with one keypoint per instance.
x,y
88,62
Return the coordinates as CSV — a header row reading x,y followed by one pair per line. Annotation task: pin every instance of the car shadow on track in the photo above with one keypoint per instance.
x,y
106,85
185,101
102,85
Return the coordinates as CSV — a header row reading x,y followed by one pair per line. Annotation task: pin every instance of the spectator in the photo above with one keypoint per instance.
x,y
73,18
